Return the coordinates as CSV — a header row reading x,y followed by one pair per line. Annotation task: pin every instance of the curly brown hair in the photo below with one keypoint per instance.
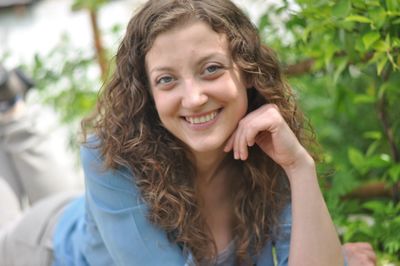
x,y
131,134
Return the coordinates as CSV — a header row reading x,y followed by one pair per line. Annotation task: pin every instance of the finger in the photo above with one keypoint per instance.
x,y
229,144
358,246
362,251
241,138
253,131
248,133
244,152
371,256
363,245
365,248
248,139
237,147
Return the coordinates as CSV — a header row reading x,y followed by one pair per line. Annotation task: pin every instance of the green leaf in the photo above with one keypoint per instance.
x,y
370,38
375,206
395,42
359,45
392,246
358,18
329,51
341,9
396,21
382,90
381,64
392,5
373,147
356,158
394,173
341,65
392,61
372,2
377,161
375,135
364,98
378,16
87,4
264,21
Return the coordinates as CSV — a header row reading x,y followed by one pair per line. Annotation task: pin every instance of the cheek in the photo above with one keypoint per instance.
x,y
236,93
165,104
241,103
243,106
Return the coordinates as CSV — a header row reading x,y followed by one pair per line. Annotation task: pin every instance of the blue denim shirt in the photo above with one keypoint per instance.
x,y
109,226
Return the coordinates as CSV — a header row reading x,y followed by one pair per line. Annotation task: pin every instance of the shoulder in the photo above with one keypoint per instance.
x,y
97,175
92,158
90,150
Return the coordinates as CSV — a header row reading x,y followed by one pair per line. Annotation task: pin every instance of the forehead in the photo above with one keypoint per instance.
x,y
191,39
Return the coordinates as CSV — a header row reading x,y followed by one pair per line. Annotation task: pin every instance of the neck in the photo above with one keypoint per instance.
x,y
208,165
213,185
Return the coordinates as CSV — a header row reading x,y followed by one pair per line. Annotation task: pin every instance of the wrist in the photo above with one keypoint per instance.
x,y
301,166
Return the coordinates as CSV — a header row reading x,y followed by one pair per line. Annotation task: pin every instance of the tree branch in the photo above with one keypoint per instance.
x,y
98,45
387,129
371,190
300,68
305,66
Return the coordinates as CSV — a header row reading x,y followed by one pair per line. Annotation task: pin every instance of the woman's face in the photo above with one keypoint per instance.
x,y
198,90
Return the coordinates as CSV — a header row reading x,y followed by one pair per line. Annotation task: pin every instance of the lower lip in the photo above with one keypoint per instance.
x,y
205,125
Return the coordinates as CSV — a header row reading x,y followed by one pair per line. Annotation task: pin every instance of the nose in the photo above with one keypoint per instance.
x,y
193,95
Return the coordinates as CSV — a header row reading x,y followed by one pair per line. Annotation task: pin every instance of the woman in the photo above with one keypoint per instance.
x,y
198,153
199,112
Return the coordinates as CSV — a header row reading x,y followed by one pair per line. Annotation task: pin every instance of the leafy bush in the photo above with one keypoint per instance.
x,y
343,58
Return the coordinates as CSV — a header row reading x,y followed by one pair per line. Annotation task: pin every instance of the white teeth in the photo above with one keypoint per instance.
x,y
201,119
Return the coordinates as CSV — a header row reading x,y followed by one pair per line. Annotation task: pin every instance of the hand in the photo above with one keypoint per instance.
x,y
359,254
266,128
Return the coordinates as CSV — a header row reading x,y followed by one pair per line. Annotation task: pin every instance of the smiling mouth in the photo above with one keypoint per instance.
x,y
201,119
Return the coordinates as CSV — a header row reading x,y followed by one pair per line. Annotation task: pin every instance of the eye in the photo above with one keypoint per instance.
x,y
212,69
164,80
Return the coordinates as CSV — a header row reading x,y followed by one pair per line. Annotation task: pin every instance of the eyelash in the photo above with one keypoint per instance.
x,y
216,68
206,71
160,80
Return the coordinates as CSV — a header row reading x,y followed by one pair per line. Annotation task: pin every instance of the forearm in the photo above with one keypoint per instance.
x,y
314,240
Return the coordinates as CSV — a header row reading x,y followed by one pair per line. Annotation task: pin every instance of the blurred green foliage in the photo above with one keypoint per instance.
x,y
88,4
351,95
67,79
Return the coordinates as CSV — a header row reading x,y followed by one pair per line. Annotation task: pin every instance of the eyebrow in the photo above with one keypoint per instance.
x,y
202,59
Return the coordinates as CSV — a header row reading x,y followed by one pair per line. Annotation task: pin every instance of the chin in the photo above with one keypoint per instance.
x,y
206,147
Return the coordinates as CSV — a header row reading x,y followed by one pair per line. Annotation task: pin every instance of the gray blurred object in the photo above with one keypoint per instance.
x,y
34,156
10,3
14,84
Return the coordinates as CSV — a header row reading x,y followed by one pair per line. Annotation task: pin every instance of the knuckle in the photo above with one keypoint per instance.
x,y
250,128
242,123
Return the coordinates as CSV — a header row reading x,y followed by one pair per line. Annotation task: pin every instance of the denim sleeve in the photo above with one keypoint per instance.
x,y
282,236
118,230
280,241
